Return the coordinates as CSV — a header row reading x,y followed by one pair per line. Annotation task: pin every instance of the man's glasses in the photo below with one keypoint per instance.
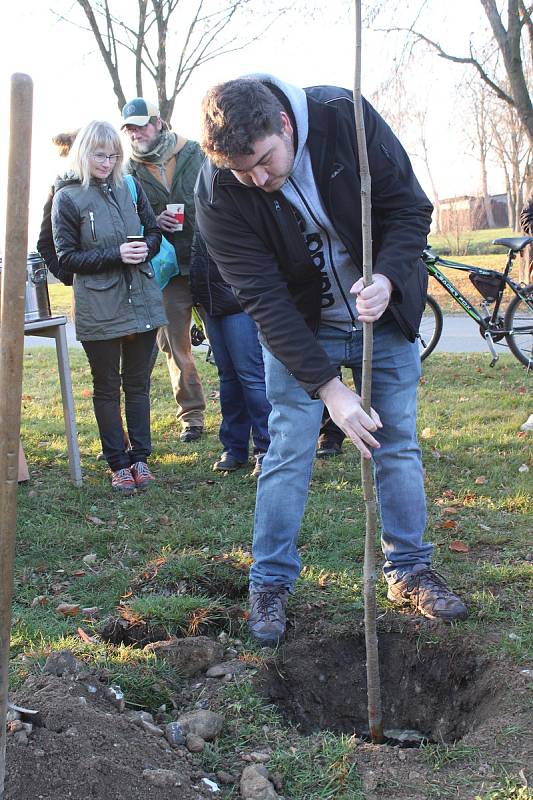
x,y
101,158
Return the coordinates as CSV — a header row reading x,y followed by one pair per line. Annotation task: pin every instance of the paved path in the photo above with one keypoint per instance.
x,y
459,335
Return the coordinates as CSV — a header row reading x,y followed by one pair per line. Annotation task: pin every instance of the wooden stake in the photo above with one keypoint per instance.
x,y
375,722
11,354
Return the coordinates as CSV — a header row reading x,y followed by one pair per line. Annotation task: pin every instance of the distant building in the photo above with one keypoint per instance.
x,y
468,213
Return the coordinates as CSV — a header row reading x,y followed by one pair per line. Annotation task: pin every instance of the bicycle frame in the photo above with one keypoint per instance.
x,y
492,326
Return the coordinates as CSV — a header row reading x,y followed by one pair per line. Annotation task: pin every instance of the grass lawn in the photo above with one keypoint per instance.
x,y
196,525
60,298
471,242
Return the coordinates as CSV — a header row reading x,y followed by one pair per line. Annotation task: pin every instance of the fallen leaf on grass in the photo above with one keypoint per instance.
x,y
40,600
448,494
86,393
78,573
457,546
480,480
426,433
94,520
164,519
450,510
68,609
449,523
85,636
90,558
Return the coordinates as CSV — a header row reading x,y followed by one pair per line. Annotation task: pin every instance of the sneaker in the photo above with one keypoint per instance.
x,y
256,472
427,592
227,463
122,481
328,448
266,622
141,475
191,433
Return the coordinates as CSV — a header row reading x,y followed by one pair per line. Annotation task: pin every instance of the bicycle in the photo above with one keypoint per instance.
x,y
514,328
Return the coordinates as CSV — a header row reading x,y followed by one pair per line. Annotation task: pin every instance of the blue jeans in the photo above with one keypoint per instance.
x,y
243,402
294,425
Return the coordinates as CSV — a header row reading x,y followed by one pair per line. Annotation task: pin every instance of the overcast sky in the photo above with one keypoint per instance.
x,y
71,85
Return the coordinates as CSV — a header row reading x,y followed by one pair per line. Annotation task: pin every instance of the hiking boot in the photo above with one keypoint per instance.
x,y
227,463
328,448
256,472
427,592
266,622
141,475
122,481
191,433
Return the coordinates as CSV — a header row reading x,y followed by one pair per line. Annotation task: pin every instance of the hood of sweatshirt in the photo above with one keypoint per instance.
x,y
295,99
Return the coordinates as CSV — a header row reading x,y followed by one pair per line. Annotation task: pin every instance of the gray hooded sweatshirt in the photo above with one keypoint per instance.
x,y
338,271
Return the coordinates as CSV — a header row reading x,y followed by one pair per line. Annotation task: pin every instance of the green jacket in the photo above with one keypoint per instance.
x,y
111,299
188,162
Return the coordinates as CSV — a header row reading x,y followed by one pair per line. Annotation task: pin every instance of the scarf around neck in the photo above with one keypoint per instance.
x,y
163,150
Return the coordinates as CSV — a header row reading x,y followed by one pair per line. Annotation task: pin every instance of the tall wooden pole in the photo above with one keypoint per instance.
x,y
11,353
375,721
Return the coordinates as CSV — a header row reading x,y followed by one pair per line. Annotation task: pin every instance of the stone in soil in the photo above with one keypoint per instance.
x,y
190,655
202,722
254,784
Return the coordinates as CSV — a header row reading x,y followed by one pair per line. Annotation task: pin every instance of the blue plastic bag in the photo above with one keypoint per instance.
x,y
164,264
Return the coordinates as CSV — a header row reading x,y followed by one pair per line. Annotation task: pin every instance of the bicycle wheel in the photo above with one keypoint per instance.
x,y
519,322
430,328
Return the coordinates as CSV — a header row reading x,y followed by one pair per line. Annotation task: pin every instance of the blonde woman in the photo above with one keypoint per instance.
x,y
118,303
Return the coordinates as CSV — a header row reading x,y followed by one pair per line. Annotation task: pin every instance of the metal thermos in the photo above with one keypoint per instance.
x,y
37,303
37,299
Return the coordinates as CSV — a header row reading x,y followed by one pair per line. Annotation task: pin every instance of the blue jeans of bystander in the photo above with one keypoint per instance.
x,y
243,402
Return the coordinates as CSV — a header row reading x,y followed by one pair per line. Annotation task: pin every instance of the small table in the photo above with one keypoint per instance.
x,y
54,328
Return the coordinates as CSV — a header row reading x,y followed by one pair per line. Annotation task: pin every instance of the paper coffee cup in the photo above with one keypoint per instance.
x,y
178,209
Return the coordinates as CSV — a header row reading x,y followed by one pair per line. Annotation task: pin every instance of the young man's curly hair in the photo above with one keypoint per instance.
x,y
235,115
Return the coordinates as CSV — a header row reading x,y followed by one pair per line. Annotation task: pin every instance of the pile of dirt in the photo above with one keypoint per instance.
x,y
82,746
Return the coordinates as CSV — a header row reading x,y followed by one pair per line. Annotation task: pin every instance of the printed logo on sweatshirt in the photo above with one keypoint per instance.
x,y
315,245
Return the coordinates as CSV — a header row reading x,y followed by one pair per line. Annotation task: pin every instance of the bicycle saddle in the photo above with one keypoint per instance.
x,y
515,243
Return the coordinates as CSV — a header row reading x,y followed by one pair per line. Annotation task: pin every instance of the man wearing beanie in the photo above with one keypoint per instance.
x,y
167,165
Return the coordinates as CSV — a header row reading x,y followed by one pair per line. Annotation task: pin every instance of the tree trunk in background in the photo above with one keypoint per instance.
x,y
163,42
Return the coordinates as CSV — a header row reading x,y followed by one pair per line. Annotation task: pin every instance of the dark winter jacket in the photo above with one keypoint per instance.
x,y
208,287
112,299
256,242
188,162
45,243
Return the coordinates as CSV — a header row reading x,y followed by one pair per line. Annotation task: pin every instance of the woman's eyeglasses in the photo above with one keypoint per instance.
x,y
101,158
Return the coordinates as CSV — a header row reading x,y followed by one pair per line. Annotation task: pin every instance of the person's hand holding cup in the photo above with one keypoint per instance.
x,y
134,250
171,219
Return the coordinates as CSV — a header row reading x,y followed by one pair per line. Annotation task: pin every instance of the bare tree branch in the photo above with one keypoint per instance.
x,y
106,53
470,60
204,30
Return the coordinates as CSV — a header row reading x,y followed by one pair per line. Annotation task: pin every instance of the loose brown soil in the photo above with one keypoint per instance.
x,y
434,682
84,748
